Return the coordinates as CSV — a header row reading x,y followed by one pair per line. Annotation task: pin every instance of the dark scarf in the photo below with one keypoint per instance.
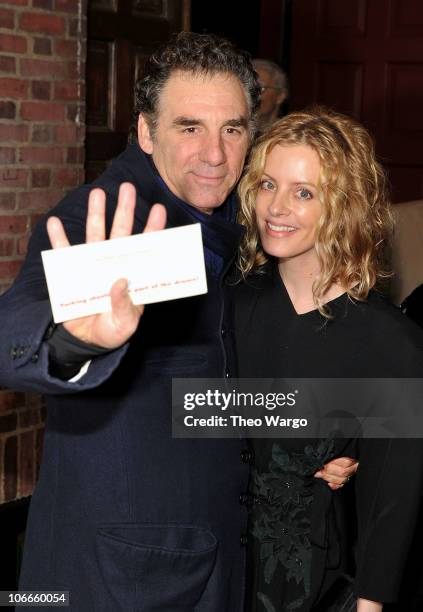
x,y
221,233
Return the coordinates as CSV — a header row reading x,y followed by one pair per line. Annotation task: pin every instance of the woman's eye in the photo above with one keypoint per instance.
x,y
267,185
304,194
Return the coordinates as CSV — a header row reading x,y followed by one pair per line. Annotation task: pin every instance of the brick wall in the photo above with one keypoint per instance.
x,y
42,112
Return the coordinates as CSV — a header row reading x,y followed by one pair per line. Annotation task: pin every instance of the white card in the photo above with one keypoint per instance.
x,y
159,266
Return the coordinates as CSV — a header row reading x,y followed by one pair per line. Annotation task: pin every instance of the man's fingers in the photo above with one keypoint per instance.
x,y
341,468
156,219
123,220
334,473
125,314
56,233
96,217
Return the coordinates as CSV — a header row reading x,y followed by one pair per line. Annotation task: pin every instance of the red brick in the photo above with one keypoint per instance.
x,y
37,22
23,245
7,247
18,2
39,439
7,18
41,133
40,201
66,91
75,71
75,155
42,111
66,133
13,224
13,177
40,177
13,88
7,110
10,468
41,90
26,464
13,44
42,46
43,4
7,201
7,64
7,155
76,113
28,418
10,400
42,68
33,400
41,155
65,48
65,177
35,219
9,269
10,132
77,28
8,422
65,6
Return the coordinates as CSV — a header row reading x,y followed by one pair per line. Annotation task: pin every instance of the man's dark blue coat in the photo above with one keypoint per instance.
x,y
124,516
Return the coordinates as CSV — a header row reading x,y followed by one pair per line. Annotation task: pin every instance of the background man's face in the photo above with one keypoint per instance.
x,y
270,98
201,138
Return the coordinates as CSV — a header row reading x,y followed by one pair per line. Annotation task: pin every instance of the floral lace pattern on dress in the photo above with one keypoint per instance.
x,y
280,503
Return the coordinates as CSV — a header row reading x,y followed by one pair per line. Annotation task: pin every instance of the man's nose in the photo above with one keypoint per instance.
x,y
213,150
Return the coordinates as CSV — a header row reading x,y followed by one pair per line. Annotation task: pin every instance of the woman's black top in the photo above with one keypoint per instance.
x,y
300,532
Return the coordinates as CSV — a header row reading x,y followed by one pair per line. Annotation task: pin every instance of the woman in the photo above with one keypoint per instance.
x,y
317,218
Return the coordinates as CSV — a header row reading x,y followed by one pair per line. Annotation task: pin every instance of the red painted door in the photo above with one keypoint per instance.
x,y
365,58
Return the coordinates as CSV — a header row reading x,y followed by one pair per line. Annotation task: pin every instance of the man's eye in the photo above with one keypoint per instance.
x,y
304,194
190,130
232,130
267,185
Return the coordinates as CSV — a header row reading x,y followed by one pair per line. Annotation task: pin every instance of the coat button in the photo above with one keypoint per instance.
x,y
223,332
228,373
246,456
13,353
243,498
243,540
34,358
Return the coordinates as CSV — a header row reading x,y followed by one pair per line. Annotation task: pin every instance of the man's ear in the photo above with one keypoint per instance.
x,y
144,136
281,97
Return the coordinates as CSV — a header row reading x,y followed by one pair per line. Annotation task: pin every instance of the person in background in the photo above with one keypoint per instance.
x,y
317,219
274,91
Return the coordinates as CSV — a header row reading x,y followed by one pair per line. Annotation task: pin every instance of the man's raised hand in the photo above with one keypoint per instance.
x,y
109,329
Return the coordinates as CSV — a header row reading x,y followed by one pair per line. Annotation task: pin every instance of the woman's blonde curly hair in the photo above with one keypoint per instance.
x,y
356,223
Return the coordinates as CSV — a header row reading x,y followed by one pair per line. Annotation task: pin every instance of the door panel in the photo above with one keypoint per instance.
x,y
121,35
365,58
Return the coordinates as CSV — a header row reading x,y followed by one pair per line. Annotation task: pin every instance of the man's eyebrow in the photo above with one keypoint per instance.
x,y
183,121
186,121
240,122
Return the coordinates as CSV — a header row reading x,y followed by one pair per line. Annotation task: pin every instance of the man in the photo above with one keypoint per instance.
x,y
124,516
274,91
